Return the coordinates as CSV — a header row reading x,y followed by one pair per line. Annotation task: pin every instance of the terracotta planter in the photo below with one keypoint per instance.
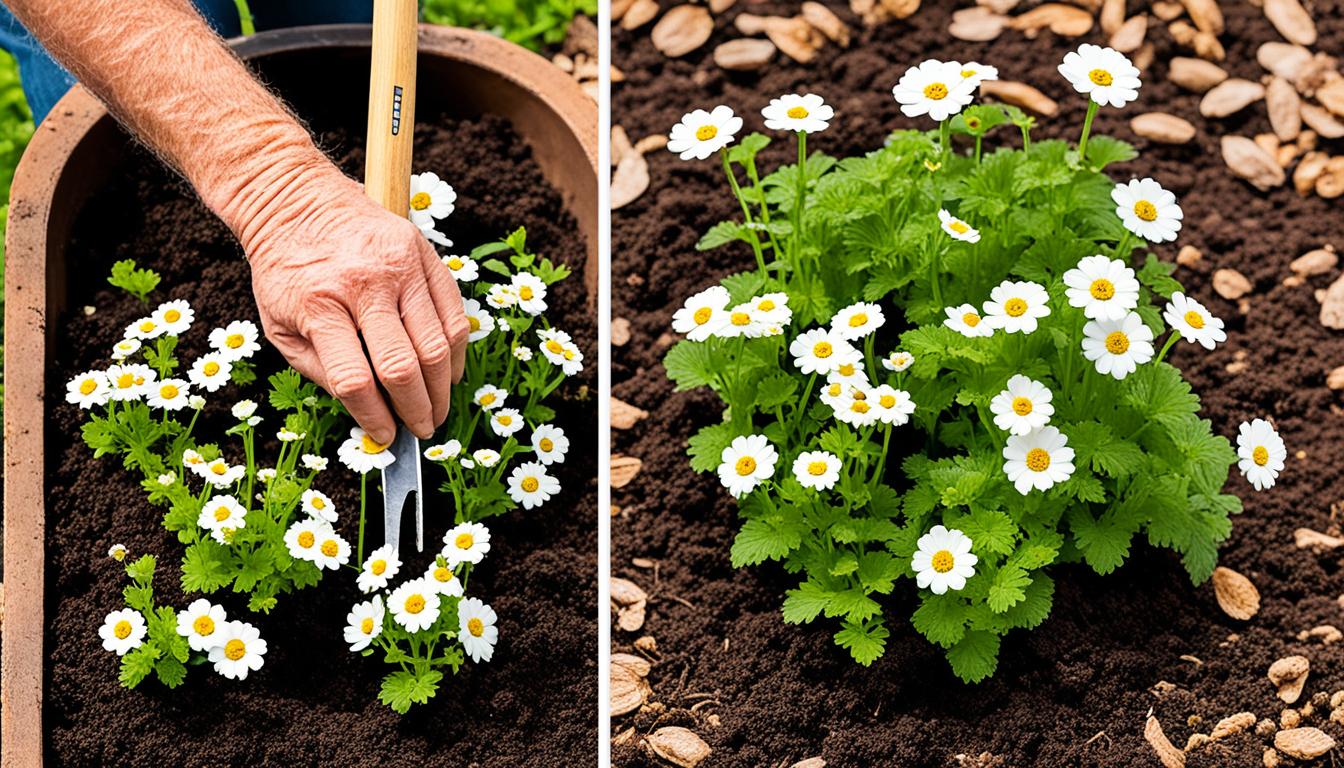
x,y
73,153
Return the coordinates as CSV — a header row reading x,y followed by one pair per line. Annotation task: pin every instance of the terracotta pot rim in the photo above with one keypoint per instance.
x,y
28,306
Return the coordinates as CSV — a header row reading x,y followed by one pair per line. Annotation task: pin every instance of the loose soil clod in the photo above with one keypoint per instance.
x,y
679,746
1237,596
1290,675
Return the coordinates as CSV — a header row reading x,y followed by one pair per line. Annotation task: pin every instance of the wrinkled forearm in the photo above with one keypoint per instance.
x,y
166,75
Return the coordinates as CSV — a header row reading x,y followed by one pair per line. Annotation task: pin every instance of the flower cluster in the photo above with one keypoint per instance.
x,y
1025,320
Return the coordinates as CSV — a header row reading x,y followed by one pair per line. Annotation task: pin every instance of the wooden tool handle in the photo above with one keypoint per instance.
x,y
387,163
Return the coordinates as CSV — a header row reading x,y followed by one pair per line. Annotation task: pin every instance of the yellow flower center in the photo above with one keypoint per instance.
x,y
1194,319
968,73
942,561
1100,77
740,318
766,305
378,567
204,626
87,386
525,293
488,398
371,446
126,381
306,539
958,226
745,466
366,626
172,315
858,320
530,484
971,319
146,326
706,132
455,263
330,547
846,370
546,444
887,401
823,349
415,604
168,392
816,468
1260,455
1015,307
235,649
443,574
936,91
475,626
554,347
1038,459
1145,210
1102,289
1022,406
464,541
211,368
122,630
219,468
859,406
420,201
505,419
569,354
834,389
474,322
222,513
1117,343
319,503
797,113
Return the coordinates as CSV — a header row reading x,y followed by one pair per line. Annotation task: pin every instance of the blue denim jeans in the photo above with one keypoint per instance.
x,y
45,81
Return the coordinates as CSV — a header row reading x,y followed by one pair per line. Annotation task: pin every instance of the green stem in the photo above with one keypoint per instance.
x,y
1092,108
1172,337
746,211
978,139
1122,247
802,196
934,254
802,404
245,17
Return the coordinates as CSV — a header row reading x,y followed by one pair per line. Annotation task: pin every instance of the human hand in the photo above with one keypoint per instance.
x,y
329,266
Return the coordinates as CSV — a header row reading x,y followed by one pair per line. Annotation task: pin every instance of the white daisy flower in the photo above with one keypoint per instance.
x,y
772,308
890,405
313,462
967,321
117,552
702,314
222,512
240,650
550,444
857,320
1038,460
571,359
174,317
746,463
485,457
1147,210
850,373
1023,407
897,361
210,371
553,344
974,73
1104,74
531,292
480,322
443,451
433,235
522,354
287,435
364,622
934,88
317,504
122,631
88,389
958,229
943,560
379,569
501,296
195,402
201,623
219,474
1104,288
506,421
822,350
701,134
490,397
1118,347
267,474
168,394
431,198
144,329
301,539
167,479
464,268
1260,453
834,391
194,461
1016,306
855,408
468,464
476,629
362,453
467,542
1193,321
237,340
243,410
741,322
806,113
125,348
331,551
128,381
819,470
531,486
442,578
415,605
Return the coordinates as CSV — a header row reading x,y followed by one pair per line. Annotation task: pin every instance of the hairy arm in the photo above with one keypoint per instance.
x,y
328,264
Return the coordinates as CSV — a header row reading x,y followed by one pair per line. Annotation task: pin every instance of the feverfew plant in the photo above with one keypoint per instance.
x,y
950,367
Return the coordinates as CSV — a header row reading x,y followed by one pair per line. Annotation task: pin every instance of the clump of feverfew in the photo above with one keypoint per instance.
x,y
1031,326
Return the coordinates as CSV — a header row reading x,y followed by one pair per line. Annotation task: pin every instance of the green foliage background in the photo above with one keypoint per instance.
x,y
530,23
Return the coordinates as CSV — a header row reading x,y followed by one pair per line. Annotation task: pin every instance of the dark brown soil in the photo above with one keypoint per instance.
x,y
1074,692
314,703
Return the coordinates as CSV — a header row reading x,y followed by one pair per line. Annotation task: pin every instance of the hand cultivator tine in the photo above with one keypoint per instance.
x,y
401,479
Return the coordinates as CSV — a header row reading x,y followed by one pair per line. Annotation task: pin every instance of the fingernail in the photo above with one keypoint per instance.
x,y
423,430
